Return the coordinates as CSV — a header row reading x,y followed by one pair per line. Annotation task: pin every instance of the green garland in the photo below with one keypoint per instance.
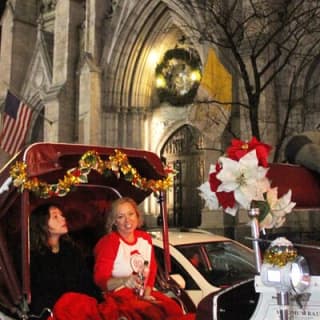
x,y
118,164
164,69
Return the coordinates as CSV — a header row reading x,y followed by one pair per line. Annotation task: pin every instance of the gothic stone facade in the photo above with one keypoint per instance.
x,y
87,67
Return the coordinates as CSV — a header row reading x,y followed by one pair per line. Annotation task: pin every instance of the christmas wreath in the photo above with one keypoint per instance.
x,y
178,76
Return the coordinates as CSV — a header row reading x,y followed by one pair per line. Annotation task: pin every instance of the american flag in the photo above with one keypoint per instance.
x,y
16,122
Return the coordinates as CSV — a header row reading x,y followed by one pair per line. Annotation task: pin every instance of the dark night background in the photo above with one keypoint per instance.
x,y
2,5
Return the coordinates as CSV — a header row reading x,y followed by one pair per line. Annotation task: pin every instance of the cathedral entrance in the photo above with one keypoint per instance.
x,y
182,152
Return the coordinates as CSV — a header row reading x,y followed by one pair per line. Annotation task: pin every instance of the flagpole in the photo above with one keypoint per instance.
x,y
30,105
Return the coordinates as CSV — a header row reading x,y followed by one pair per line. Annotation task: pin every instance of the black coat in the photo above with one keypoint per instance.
x,y
53,274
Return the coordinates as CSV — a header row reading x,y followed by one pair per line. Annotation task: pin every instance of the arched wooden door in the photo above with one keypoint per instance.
x,y
182,153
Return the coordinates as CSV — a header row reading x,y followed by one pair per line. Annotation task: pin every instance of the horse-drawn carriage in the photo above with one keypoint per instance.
x,y
84,180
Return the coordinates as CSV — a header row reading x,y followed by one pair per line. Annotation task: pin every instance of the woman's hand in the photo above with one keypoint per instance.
x,y
131,281
149,298
134,282
147,294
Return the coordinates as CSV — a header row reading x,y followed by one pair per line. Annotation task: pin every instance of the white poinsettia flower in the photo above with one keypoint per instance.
x,y
211,201
279,207
212,168
244,177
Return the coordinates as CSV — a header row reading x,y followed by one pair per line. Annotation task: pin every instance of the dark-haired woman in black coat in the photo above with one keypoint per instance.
x,y
56,264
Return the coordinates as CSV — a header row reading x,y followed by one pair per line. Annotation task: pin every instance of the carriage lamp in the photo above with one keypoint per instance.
x,y
284,270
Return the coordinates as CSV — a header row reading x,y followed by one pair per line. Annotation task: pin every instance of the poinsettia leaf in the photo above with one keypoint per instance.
x,y
263,206
85,171
83,178
214,181
128,176
107,172
226,199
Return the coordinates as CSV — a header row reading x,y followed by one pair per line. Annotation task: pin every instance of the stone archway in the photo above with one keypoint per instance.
x,y
181,151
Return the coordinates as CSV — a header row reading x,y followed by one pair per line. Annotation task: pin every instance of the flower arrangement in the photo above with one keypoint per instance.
x,y
238,180
117,164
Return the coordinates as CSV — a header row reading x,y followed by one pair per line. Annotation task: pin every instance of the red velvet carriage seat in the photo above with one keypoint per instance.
x,y
304,183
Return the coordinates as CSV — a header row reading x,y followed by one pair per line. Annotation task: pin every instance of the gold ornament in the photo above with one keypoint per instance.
x,y
117,164
280,255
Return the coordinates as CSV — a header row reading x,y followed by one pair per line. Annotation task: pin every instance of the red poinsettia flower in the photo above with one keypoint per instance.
x,y
76,172
226,199
52,193
240,148
213,180
169,170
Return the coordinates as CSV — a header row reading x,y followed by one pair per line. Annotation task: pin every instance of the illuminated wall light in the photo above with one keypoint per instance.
x,y
160,82
195,75
153,58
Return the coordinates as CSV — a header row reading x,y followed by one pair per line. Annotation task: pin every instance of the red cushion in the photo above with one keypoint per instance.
x,y
304,184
